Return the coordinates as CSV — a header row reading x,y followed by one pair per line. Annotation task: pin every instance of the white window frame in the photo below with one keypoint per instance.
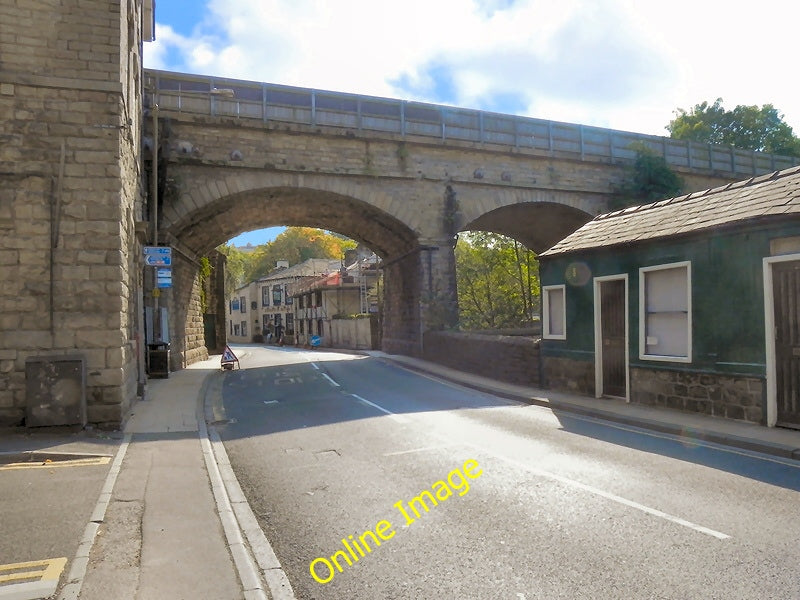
x,y
643,315
546,333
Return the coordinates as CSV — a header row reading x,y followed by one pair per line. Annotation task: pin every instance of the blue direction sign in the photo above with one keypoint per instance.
x,y
164,278
158,256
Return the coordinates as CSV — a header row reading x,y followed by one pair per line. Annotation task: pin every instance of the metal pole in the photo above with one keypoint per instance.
x,y
154,188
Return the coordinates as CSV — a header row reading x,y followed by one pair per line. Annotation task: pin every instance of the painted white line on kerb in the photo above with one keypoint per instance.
x,y
328,377
606,495
395,416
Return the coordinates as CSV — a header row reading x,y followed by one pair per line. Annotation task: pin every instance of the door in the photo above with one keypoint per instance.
x,y
786,294
612,334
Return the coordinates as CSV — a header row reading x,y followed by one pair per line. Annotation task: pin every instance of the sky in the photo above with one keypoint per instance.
x,y
620,64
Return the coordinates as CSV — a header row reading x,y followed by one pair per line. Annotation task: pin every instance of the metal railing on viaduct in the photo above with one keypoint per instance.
x,y
265,102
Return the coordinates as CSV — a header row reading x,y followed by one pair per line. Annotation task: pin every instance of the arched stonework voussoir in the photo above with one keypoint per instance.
x,y
214,223
536,218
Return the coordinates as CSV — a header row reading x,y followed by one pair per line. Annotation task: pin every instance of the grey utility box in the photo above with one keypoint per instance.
x,y
55,390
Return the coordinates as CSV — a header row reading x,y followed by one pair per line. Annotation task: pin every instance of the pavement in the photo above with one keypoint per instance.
x,y
170,520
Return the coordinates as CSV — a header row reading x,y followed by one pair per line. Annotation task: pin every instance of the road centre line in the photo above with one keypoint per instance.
x,y
571,482
395,416
401,452
328,377
603,494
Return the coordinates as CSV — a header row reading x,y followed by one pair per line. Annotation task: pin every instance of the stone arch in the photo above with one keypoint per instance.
x,y
537,219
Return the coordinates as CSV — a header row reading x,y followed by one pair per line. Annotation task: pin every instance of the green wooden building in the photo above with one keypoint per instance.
x,y
690,303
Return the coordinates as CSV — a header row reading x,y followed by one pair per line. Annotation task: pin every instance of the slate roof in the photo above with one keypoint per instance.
x,y
770,195
310,267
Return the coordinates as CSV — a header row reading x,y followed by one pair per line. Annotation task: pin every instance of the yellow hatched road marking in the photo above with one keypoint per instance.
x,y
49,464
40,570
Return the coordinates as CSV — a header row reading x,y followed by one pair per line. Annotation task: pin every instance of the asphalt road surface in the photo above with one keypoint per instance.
x,y
512,501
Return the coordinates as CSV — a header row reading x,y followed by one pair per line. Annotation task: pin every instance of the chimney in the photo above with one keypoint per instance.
x,y
282,264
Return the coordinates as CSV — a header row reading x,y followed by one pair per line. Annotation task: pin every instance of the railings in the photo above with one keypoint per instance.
x,y
266,102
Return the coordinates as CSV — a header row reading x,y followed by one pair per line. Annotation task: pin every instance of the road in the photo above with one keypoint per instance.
x,y
521,502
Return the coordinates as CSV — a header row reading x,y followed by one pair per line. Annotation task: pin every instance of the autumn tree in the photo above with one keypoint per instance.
x,y
295,245
747,127
498,282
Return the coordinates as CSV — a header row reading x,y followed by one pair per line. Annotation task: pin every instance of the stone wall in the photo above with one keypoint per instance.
x,y
568,375
512,359
734,397
185,313
69,197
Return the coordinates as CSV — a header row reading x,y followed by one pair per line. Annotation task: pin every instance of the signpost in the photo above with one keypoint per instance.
x,y
163,277
158,256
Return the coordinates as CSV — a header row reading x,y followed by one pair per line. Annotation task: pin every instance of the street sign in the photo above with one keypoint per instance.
x,y
315,340
158,256
163,277
228,359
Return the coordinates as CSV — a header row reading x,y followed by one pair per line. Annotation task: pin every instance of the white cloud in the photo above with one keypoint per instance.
x,y
624,64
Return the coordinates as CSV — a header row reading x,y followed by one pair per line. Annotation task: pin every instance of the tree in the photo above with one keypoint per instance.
x,y
295,245
498,282
746,127
236,266
648,179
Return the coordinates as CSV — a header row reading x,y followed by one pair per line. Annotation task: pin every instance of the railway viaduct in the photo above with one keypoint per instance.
x,y
81,123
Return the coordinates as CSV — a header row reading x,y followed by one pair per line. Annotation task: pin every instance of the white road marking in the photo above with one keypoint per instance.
x,y
417,450
326,376
395,416
315,365
270,401
607,495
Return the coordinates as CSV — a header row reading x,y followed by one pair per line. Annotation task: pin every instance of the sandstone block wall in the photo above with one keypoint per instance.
x,y
512,359
569,375
734,397
69,189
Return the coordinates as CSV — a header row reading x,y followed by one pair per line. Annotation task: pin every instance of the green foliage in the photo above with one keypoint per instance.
x,y
498,282
746,127
236,267
203,273
648,179
295,245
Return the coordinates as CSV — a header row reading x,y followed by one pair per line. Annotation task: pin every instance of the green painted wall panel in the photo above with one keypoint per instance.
x,y
727,295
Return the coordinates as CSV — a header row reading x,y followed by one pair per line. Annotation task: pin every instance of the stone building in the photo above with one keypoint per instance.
x,y
690,303
340,308
257,308
71,195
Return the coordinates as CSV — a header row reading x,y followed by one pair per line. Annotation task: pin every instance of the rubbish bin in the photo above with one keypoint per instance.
x,y
158,359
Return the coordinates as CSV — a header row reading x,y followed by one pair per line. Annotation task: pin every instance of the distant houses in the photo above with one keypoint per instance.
x,y
318,298
690,303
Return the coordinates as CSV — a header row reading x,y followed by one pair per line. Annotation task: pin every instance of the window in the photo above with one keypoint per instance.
x,y
554,315
242,304
318,298
665,312
264,323
277,319
231,322
286,294
235,330
265,296
276,295
234,305
300,302
244,328
290,323
301,323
